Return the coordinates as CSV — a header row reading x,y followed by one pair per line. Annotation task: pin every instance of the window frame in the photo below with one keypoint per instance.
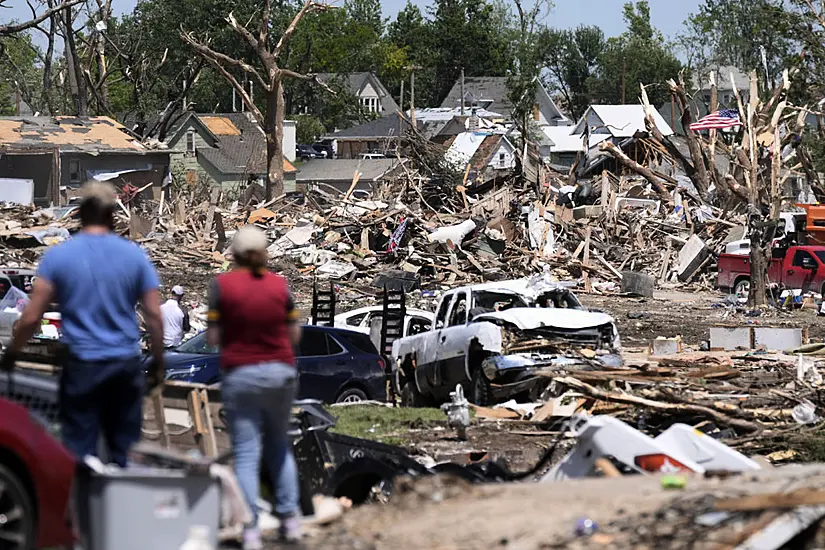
x,y
456,301
327,338
443,310
75,176
191,147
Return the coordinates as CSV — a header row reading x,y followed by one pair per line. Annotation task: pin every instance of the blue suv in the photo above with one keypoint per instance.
x,y
334,365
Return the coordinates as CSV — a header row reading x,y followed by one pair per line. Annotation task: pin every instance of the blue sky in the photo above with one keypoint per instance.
x,y
667,15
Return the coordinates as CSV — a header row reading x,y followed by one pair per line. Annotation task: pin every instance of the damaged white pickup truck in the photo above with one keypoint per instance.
x,y
495,339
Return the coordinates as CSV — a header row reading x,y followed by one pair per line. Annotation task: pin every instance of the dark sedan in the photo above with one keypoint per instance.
x,y
334,365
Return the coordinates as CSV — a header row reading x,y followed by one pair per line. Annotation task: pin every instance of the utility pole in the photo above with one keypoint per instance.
x,y
624,68
401,104
462,91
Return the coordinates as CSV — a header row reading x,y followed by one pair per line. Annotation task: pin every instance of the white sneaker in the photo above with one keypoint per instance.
x,y
252,539
290,529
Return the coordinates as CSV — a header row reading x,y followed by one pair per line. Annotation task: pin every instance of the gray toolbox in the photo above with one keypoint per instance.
x,y
140,508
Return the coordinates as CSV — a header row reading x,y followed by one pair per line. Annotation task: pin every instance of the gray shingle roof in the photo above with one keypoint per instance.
x,y
480,90
342,170
241,152
380,128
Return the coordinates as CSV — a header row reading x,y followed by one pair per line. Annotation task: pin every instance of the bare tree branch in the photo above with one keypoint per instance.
x,y
271,119
309,7
6,30
214,59
308,78
237,63
263,28
258,47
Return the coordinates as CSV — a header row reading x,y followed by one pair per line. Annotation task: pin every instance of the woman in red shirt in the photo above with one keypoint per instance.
x,y
253,319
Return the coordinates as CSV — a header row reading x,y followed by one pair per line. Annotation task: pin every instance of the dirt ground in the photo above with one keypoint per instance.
x,y
678,312
628,512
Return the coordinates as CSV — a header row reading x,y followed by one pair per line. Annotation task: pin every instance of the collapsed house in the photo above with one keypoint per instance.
x,y
45,159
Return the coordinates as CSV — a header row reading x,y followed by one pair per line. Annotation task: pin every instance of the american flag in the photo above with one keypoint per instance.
x,y
397,235
726,118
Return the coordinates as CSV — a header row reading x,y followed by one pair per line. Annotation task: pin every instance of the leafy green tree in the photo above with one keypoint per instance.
x,y
153,71
523,76
308,128
734,32
639,55
19,74
409,36
571,58
473,34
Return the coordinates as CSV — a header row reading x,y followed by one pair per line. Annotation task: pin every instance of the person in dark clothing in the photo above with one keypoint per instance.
x,y
98,278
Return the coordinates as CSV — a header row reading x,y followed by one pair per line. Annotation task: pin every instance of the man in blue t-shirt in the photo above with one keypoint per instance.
x,y
98,278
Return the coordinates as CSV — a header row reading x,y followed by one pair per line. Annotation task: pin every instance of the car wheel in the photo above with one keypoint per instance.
x,y
351,395
17,513
411,397
743,287
482,394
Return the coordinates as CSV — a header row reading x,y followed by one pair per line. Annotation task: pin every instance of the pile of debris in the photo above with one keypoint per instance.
x,y
756,402
421,224
26,231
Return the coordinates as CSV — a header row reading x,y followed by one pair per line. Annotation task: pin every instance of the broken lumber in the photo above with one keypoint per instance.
x,y
626,161
591,391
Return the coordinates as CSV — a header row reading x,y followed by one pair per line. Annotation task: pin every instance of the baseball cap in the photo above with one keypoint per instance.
x,y
247,239
177,290
103,191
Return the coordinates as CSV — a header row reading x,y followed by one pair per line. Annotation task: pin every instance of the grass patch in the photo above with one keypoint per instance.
x,y
384,424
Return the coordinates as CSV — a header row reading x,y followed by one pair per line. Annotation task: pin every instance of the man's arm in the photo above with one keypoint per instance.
x,y
186,324
293,327
150,304
30,320
294,330
213,331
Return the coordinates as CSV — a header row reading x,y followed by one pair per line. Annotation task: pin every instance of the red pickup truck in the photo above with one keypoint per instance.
x,y
798,267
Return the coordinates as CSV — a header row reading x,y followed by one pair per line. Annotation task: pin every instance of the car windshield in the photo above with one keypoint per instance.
x,y
197,344
497,300
821,255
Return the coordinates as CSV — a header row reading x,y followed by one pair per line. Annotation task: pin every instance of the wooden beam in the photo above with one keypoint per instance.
x,y
211,443
193,400
623,159
210,215
752,503
160,417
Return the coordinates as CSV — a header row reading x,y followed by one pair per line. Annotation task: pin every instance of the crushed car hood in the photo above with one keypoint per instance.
x,y
528,318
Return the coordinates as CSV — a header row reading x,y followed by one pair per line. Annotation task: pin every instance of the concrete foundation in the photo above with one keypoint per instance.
x,y
778,339
730,338
756,337
665,346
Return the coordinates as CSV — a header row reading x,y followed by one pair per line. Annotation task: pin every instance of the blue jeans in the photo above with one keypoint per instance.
x,y
104,396
258,402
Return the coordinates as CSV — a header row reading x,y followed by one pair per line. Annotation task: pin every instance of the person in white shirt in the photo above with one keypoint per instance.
x,y
175,319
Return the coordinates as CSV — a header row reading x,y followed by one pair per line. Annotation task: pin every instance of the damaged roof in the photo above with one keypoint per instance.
x,y
90,135
240,144
386,127
490,92
565,142
620,121
332,170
